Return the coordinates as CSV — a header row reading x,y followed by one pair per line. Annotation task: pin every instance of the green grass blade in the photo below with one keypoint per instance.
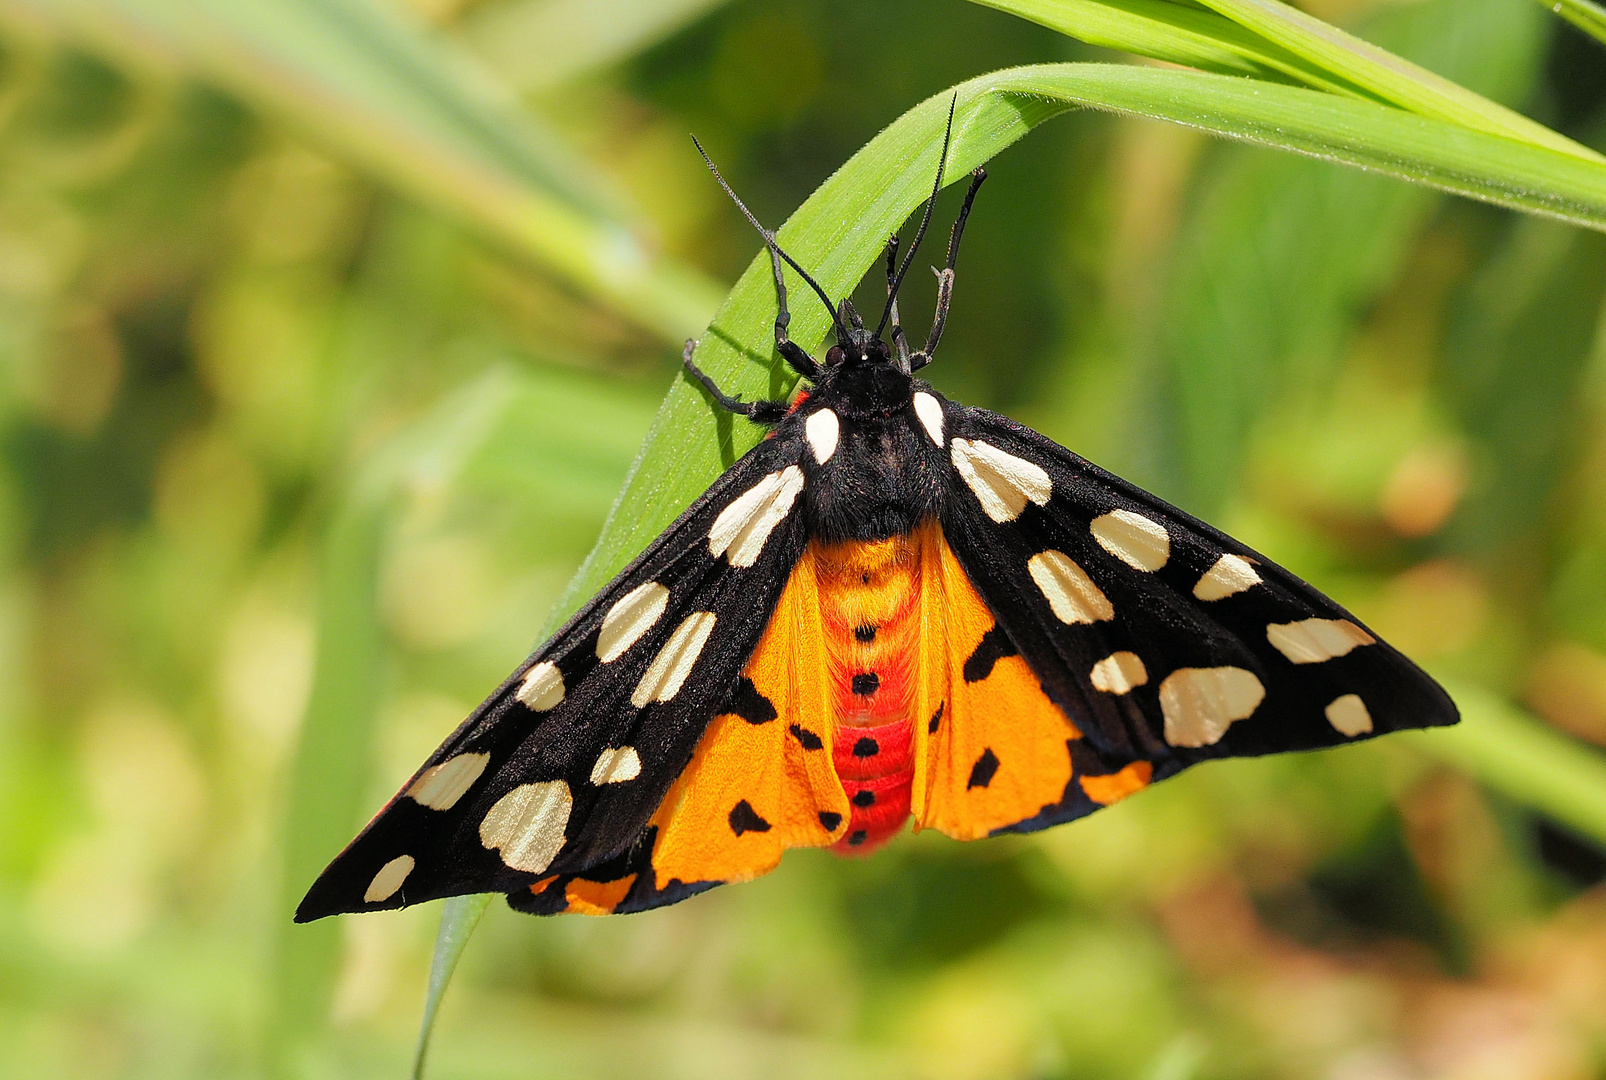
x,y
459,916
1177,34
1266,37
1587,15
1388,76
417,114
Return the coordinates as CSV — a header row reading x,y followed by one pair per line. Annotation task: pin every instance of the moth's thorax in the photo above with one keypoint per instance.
x,y
878,474
869,606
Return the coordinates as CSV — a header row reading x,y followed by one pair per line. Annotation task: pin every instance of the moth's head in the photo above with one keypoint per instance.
x,y
854,343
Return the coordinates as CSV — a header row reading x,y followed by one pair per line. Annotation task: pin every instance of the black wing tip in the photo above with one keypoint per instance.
x,y
317,905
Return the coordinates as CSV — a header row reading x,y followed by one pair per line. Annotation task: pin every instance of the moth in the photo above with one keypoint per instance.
x,y
894,607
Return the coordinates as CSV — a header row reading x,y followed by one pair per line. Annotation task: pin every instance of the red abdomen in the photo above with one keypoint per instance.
x,y
868,593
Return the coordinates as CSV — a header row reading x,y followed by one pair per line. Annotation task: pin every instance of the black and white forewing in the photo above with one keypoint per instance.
x,y
1162,638
560,769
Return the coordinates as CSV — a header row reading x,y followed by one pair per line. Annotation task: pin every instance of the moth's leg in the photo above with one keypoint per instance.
x,y
945,277
899,342
793,353
760,412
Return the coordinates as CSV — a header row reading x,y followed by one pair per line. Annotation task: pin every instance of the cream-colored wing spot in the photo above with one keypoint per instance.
x,y
1138,541
670,668
1349,716
741,529
1001,482
615,765
1231,575
541,689
440,786
1070,593
526,825
1310,641
631,616
1119,672
389,879
1199,704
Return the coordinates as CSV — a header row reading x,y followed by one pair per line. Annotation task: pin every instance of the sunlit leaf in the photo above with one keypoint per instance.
x,y
1390,77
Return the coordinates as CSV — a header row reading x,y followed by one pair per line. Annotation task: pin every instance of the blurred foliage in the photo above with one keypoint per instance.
x,y
303,435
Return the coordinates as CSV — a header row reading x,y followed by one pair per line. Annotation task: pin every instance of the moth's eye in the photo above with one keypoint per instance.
x,y
833,356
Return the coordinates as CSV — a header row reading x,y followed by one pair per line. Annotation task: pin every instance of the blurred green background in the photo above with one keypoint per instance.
x,y
329,331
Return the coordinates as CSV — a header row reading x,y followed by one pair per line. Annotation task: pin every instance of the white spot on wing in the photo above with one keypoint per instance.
x,y
1348,715
1199,704
631,616
1002,483
1067,588
389,879
669,669
1119,672
1310,641
1138,541
822,430
526,825
542,687
929,410
1231,575
615,765
440,786
744,525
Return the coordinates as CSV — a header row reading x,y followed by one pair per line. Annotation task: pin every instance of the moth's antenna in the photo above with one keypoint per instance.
x,y
775,249
925,220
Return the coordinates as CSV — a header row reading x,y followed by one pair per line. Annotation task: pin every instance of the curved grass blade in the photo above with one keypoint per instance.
x,y
417,114
459,916
1269,40
1587,15
1178,34
1390,77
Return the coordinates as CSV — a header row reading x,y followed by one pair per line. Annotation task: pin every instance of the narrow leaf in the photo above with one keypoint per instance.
x,y
1587,15
459,916
1390,77
1177,34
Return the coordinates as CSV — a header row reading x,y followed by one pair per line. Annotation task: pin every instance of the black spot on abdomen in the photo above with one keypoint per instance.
x,y
751,705
864,634
993,647
744,818
982,773
866,747
864,797
866,684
